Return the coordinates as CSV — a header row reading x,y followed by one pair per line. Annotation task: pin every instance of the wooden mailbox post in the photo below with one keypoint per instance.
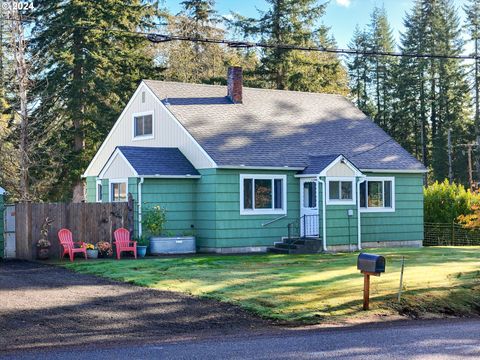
x,y
369,264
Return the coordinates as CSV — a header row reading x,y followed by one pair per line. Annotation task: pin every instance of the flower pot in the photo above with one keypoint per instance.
x,y
141,251
43,253
92,254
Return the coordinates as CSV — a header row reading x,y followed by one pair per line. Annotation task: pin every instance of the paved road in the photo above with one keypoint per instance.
x,y
443,339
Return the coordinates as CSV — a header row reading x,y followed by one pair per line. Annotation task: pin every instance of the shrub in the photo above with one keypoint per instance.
x,y
154,221
445,202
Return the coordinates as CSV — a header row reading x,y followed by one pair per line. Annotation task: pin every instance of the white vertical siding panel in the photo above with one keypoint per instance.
x,y
118,169
168,133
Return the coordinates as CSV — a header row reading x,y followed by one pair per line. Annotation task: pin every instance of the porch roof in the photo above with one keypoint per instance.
x,y
158,161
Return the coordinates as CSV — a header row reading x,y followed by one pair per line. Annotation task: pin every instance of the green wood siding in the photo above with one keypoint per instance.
x,y
91,189
212,205
406,223
177,196
235,230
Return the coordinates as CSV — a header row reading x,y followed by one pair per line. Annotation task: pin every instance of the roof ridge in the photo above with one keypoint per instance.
x,y
247,87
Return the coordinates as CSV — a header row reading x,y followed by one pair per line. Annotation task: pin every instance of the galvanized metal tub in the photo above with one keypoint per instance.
x,y
173,245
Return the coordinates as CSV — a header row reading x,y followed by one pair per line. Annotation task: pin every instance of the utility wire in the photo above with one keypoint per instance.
x,y
161,38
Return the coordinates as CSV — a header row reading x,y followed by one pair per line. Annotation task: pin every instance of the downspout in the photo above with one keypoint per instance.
x,y
359,225
324,215
140,206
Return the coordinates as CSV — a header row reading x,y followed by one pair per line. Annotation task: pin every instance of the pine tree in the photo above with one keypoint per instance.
x,y
293,22
381,40
432,91
472,12
359,71
85,75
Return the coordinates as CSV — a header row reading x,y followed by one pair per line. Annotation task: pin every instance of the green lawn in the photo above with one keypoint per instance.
x,y
312,288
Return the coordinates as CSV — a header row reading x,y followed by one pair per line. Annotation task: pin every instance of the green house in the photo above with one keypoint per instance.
x,y
247,168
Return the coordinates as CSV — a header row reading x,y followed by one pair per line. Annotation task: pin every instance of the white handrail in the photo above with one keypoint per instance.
x,y
272,221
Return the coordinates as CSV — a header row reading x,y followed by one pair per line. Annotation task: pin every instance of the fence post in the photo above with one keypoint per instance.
x,y
453,234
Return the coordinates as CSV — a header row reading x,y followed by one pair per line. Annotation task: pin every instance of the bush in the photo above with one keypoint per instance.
x,y
445,202
154,221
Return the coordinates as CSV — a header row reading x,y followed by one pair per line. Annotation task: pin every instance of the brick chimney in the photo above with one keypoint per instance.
x,y
235,84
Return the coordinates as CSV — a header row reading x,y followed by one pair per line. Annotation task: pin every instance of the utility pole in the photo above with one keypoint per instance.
x,y
450,172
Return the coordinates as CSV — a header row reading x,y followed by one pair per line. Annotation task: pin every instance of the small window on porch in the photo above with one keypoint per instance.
x,y
309,194
340,191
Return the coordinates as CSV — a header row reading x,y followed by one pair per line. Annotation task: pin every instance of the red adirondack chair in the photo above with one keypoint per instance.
x,y
123,242
68,246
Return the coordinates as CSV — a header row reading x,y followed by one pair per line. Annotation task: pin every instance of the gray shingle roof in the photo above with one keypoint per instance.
x,y
150,161
280,128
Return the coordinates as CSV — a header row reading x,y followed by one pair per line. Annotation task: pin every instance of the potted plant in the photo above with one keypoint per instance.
x,y
142,244
160,243
92,251
104,249
43,244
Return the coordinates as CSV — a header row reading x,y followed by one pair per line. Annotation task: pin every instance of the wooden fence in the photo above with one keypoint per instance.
x,y
89,222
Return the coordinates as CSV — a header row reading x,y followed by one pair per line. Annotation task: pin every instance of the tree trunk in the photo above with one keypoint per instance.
x,y
78,115
22,78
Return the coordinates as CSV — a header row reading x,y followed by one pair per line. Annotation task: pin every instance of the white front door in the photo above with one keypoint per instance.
x,y
308,207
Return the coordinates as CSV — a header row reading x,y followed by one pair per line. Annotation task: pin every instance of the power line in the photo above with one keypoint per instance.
x,y
161,38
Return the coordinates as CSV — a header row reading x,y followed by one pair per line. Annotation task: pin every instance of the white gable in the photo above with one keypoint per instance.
x,y
167,131
117,168
340,169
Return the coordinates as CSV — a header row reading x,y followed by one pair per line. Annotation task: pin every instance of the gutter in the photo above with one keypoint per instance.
x,y
359,224
324,214
142,179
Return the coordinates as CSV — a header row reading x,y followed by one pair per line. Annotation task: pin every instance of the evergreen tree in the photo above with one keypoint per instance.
x,y
292,22
381,40
433,91
85,75
359,71
472,12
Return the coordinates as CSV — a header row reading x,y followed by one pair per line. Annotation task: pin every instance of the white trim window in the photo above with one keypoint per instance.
x,y
377,194
99,191
118,190
143,125
263,194
340,191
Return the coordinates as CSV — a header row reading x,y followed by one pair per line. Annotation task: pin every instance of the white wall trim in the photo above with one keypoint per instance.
x,y
116,181
171,176
143,137
116,153
398,171
272,177
379,209
241,167
350,179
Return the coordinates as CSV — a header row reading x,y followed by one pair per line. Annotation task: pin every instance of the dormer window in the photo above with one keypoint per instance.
x,y
143,125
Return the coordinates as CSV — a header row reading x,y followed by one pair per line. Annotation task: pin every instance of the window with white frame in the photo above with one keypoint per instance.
x,y
99,191
118,191
263,194
143,125
340,191
377,194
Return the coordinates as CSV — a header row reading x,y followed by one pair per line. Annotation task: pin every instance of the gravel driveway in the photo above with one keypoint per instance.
x,y
44,306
